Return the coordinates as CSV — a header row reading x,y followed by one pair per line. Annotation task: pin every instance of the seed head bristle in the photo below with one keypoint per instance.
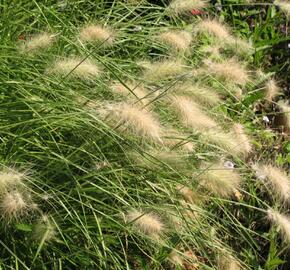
x,y
37,42
13,205
284,6
191,114
282,222
184,6
97,33
147,223
272,89
230,70
177,40
133,119
75,67
162,70
276,179
219,180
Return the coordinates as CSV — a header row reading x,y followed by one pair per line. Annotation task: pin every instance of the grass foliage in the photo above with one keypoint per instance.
x,y
111,157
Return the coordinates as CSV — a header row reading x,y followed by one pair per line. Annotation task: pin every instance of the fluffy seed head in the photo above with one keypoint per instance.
x,y
76,67
10,178
226,141
229,70
186,193
282,222
175,259
136,120
136,92
242,139
147,223
228,262
177,140
162,70
37,42
13,205
285,116
183,6
276,179
214,28
44,230
199,93
272,89
177,40
191,115
97,33
284,6
220,180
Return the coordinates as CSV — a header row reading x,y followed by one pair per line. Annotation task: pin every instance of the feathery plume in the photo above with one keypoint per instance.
x,y
227,141
138,121
284,6
220,180
214,28
10,178
285,116
228,262
156,159
200,94
175,259
76,67
97,33
239,45
191,115
37,42
272,89
161,70
177,40
282,222
213,50
44,230
132,90
276,179
229,70
13,205
242,139
183,6
186,192
147,223
176,140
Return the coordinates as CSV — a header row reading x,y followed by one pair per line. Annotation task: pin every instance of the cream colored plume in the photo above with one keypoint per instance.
x,y
131,90
243,142
200,94
191,114
37,42
227,141
162,70
228,262
282,222
229,70
13,205
97,33
214,28
133,119
147,223
277,181
285,114
183,6
177,40
10,178
219,180
272,89
284,6
75,67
